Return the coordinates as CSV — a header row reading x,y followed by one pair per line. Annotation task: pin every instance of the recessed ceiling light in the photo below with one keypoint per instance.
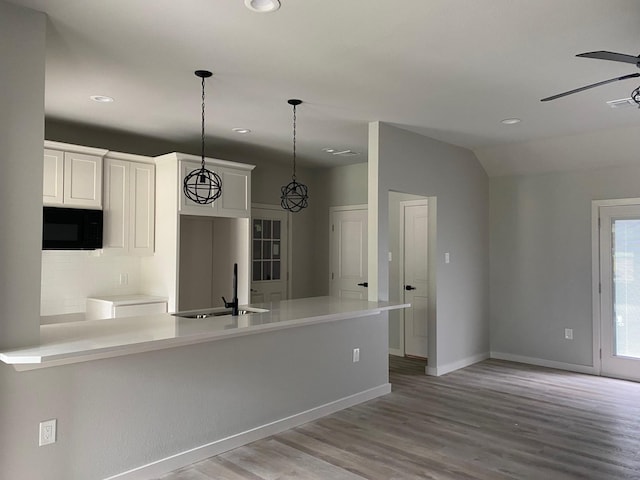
x,y
101,98
511,121
328,149
262,6
241,130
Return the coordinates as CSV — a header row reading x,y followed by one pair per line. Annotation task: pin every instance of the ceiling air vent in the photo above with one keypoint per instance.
x,y
622,103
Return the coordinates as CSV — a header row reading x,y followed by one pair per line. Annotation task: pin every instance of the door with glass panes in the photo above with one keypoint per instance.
x,y
620,291
269,270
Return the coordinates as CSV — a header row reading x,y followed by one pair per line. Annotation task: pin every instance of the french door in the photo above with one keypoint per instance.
x,y
620,291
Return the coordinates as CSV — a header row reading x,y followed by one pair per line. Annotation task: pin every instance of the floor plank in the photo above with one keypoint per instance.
x,y
495,420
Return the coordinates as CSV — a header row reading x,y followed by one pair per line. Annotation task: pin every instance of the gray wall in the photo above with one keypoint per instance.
x,y
22,52
411,163
121,413
541,260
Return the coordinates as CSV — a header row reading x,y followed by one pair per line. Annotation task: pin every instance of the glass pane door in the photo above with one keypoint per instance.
x,y
620,291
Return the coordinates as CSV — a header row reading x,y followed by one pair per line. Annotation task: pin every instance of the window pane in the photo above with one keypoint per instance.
x,y
257,271
257,249
266,249
257,228
266,270
626,260
266,228
276,270
276,229
276,250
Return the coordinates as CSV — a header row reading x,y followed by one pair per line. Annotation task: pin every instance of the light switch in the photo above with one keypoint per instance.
x,y
447,259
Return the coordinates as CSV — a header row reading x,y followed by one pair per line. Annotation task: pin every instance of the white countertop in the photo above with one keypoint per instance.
x,y
65,343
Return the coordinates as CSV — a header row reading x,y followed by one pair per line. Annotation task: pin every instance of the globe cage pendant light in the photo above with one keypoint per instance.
x,y
202,185
294,195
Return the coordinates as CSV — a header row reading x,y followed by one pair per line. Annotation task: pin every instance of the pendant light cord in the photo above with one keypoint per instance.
x,y
293,177
202,137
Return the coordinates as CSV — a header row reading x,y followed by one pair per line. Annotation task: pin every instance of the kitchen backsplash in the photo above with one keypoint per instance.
x,y
69,277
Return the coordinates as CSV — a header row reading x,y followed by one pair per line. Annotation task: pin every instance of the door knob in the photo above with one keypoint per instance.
x,y
409,287
363,284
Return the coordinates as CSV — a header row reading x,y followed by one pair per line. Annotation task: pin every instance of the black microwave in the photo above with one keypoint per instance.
x,y
71,229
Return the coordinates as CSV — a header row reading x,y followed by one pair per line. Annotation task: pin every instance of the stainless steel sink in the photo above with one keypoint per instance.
x,y
216,313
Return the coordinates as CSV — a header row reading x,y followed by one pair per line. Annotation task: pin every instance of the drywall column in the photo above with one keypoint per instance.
x,y
22,56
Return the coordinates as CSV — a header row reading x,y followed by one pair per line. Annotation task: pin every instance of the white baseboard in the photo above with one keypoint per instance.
x,y
217,447
541,362
450,367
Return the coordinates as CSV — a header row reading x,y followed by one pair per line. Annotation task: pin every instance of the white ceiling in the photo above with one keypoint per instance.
x,y
449,69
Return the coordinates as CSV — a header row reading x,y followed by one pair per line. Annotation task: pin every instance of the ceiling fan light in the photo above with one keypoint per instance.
x,y
262,6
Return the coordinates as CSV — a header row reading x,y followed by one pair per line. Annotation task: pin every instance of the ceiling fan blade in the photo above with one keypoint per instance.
x,y
613,56
587,87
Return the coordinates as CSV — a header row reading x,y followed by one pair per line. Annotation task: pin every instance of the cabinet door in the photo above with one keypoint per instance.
x,y
235,200
192,208
142,208
53,177
82,180
116,205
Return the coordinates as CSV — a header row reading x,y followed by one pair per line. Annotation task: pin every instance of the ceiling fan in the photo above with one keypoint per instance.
x,y
614,57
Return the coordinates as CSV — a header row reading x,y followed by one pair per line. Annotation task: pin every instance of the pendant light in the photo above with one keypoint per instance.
x,y
294,195
202,185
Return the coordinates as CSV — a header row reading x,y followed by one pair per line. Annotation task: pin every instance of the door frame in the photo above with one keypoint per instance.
x,y
332,210
289,273
596,274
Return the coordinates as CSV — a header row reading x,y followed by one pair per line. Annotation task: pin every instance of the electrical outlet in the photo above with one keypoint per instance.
x,y
124,279
568,333
47,432
356,355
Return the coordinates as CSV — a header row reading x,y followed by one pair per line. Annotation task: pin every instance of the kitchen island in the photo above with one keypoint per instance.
x,y
167,391
82,341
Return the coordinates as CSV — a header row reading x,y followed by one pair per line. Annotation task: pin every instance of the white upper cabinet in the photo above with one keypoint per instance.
x,y
53,182
72,176
129,204
235,200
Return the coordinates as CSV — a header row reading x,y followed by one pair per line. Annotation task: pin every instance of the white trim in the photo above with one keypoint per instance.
x,y
541,362
343,208
595,284
396,352
68,147
450,367
217,447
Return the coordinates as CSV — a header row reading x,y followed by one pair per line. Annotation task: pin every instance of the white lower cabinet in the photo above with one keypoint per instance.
x,y
72,178
129,206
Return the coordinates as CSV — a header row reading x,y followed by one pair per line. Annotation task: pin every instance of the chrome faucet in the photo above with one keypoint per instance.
x,y
233,304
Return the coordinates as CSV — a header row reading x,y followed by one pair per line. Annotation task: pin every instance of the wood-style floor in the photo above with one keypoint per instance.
x,y
491,421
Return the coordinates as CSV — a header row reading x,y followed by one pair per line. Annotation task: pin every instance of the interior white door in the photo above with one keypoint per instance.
x,y
620,286
269,253
348,253
415,286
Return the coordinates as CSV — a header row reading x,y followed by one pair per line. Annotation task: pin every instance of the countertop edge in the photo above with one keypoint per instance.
x,y
27,359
